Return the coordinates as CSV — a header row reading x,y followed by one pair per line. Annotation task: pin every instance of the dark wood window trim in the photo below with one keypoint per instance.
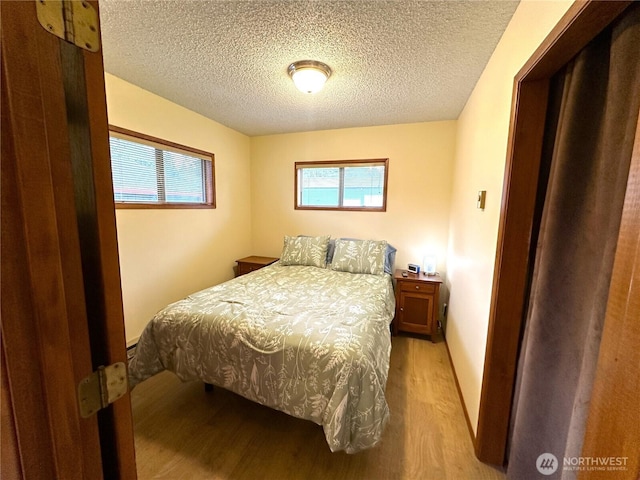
x,y
517,227
210,175
345,163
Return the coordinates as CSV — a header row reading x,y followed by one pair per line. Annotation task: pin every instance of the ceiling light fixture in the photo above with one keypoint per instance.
x,y
309,76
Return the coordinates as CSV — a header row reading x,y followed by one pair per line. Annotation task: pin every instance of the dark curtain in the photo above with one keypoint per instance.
x,y
594,103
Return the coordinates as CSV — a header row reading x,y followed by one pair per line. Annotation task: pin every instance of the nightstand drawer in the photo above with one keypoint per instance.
x,y
242,269
248,267
417,287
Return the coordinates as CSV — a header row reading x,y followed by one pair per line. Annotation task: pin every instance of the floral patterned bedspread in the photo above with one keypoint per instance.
x,y
308,341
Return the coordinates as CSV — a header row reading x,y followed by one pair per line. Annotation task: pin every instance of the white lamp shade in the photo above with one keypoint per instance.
x,y
309,80
430,264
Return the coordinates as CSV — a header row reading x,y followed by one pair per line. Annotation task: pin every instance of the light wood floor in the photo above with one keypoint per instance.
x,y
184,433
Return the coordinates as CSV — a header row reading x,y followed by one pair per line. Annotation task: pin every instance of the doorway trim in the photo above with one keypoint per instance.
x,y
517,228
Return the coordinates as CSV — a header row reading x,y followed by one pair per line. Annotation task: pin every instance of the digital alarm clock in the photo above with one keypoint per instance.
x,y
413,268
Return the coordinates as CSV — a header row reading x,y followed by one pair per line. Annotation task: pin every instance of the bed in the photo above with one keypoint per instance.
x,y
301,336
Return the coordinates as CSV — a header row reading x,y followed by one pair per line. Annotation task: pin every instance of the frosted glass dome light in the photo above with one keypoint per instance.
x,y
309,76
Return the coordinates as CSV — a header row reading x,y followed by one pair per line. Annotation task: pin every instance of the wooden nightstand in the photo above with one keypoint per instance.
x,y
249,264
417,307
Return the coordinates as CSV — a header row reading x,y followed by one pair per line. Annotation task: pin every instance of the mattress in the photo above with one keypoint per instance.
x,y
308,341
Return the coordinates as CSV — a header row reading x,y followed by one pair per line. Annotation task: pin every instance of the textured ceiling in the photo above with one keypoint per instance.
x,y
392,61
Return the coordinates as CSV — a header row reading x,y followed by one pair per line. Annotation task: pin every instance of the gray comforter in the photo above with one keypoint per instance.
x,y
308,341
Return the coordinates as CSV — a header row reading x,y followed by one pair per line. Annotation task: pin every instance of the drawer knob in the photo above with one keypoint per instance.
x,y
417,287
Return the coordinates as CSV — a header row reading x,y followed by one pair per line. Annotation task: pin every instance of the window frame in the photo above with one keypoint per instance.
x,y
381,162
172,147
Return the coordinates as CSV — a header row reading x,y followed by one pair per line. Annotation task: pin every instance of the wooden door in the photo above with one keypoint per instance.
x,y
61,300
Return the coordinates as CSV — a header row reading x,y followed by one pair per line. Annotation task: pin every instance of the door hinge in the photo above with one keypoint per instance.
x,y
75,21
102,388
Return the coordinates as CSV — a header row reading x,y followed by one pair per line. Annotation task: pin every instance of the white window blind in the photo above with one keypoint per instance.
x,y
150,173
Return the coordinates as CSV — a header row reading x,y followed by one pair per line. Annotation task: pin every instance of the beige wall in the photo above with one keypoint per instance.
x,y
167,254
479,165
419,187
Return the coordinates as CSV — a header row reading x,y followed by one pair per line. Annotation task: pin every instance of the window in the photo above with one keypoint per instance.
x,y
149,172
342,185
